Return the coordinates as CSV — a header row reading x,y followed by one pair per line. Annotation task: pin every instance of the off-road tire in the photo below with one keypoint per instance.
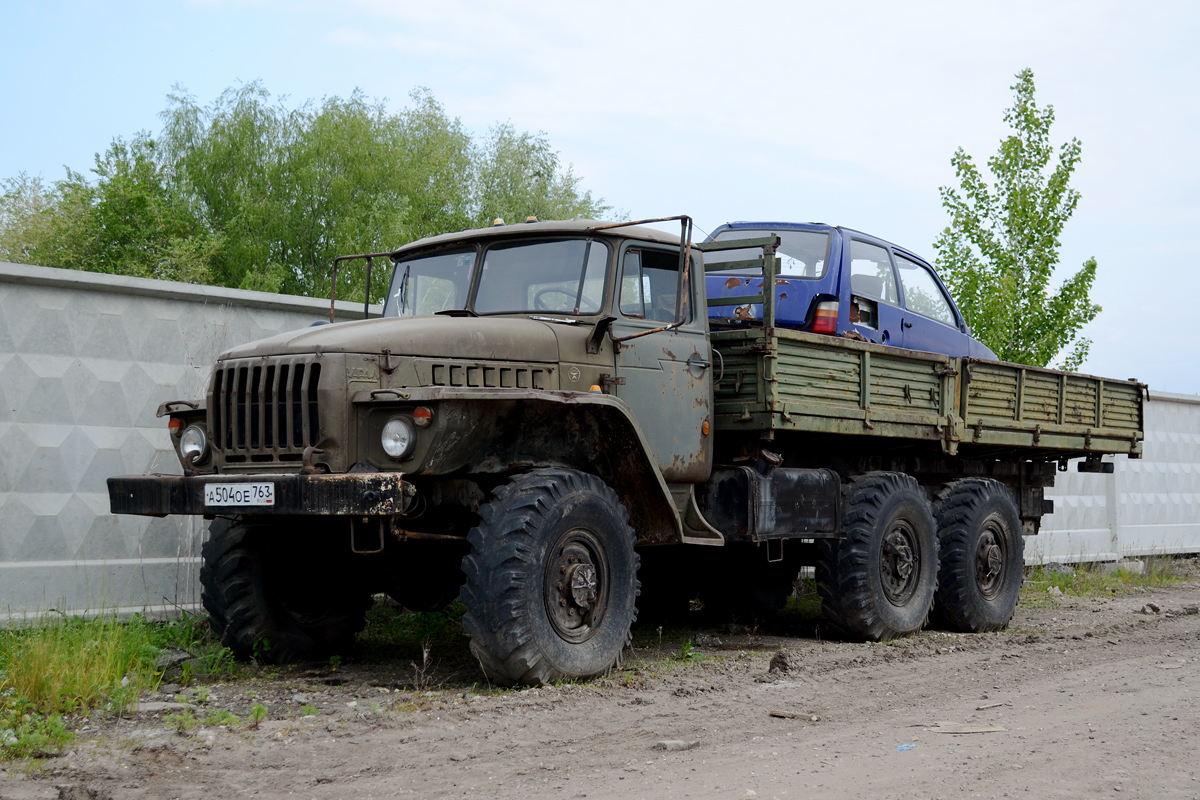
x,y
861,577
276,597
982,556
530,525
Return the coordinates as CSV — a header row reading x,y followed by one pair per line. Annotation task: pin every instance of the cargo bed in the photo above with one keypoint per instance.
x,y
777,379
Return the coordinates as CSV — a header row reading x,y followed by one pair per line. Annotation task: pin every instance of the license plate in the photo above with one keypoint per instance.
x,y
239,494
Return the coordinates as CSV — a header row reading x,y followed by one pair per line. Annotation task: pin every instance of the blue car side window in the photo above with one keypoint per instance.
x,y
922,295
871,272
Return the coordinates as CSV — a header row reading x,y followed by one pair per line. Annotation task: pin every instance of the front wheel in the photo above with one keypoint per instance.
x,y
878,580
280,592
551,579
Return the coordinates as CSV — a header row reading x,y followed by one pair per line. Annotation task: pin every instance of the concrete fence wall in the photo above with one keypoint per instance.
x,y
1147,506
85,360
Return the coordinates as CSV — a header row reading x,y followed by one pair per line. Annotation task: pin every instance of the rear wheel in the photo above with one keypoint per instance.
x,y
551,579
878,580
279,592
982,555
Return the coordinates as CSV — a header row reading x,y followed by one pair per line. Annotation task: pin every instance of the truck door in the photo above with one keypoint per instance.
x,y
928,320
874,298
664,377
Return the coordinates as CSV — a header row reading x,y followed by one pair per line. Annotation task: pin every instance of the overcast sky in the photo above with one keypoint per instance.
x,y
846,113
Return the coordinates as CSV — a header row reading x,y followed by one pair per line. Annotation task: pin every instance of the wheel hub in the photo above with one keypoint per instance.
x,y
899,564
575,585
989,561
581,578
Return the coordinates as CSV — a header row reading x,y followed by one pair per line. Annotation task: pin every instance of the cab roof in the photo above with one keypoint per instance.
x,y
547,228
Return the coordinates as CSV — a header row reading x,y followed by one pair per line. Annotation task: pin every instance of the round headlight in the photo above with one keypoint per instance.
x,y
193,443
398,438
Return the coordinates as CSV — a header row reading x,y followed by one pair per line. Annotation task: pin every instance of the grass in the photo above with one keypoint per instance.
x,y
57,666
394,634
1092,580
61,665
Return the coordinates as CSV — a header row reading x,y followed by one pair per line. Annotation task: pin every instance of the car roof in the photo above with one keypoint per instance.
x,y
818,226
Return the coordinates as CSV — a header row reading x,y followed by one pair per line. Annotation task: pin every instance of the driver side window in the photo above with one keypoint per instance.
x,y
649,281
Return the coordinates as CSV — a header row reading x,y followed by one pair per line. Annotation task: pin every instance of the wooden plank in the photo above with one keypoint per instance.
x,y
735,244
754,299
864,372
745,263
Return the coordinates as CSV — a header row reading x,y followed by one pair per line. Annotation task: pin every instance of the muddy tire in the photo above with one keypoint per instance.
x,y
878,580
982,556
279,595
551,579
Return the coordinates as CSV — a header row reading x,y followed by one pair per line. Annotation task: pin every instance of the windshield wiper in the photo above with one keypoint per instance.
x,y
559,320
456,312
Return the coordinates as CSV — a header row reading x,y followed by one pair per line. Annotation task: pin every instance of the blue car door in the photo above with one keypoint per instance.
x,y
928,320
874,299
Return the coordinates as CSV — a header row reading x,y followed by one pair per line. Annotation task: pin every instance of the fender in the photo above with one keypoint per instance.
x,y
498,431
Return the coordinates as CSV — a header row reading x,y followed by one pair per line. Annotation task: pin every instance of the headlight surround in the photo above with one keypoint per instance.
x,y
399,438
193,443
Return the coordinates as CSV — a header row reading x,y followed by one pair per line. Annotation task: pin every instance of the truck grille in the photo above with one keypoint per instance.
x,y
265,411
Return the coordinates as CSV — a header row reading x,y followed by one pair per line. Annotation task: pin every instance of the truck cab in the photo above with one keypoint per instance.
x,y
843,282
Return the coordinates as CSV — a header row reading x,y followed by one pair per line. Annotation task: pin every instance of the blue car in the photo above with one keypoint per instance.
x,y
840,281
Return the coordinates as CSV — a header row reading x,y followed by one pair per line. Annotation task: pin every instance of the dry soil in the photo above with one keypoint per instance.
x,y
1079,698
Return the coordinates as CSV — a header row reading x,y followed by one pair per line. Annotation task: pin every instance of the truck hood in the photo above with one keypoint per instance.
x,y
485,338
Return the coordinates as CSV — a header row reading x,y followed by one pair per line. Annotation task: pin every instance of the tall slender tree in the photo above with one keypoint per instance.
x,y
999,254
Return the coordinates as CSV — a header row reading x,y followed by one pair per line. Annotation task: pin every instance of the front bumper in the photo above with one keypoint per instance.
x,y
362,494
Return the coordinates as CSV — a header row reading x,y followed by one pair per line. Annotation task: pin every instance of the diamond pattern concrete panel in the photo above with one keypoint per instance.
x,y
84,362
1146,506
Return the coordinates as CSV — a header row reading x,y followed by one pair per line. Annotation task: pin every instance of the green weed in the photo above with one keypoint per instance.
x,y
221,716
394,634
192,633
308,710
258,712
261,649
25,733
183,721
1093,580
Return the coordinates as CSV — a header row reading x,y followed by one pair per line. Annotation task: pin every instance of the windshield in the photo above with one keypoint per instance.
x,y
803,254
561,277
558,277
428,284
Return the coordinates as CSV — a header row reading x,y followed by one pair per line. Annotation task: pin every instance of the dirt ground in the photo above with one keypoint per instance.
x,y
1079,698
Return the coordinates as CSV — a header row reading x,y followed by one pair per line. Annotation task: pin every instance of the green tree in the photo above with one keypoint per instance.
x,y
250,192
129,221
999,253
289,189
519,175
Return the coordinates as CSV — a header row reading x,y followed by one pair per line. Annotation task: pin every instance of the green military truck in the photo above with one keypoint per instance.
x,y
546,423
